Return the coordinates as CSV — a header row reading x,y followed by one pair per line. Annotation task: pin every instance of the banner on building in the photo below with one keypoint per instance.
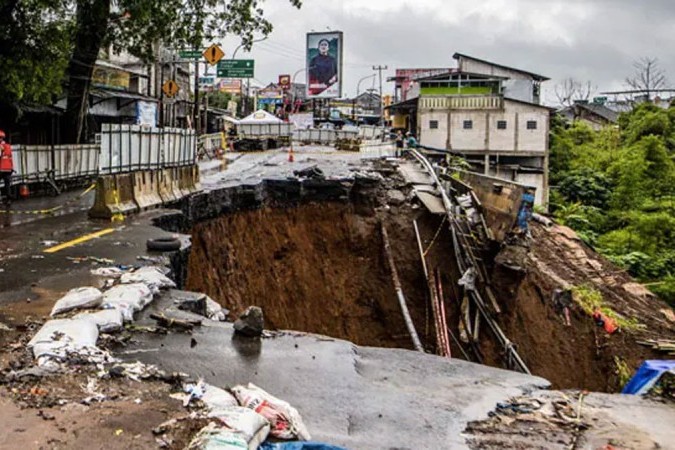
x,y
146,113
230,86
324,65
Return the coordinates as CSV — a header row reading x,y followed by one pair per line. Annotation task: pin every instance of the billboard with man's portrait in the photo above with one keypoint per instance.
x,y
324,64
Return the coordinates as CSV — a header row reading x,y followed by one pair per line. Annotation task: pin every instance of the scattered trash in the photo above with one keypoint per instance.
x,y
78,298
49,243
153,259
468,280
285,420
119,432
91,388
111,272
127,298
251,322
94,259
4,327
175,322
151,276
38,257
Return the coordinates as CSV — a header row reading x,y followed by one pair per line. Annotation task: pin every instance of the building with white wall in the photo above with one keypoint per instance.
x,y
491,115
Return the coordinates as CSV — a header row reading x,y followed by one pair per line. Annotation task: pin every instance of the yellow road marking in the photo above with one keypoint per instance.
x,y
85,238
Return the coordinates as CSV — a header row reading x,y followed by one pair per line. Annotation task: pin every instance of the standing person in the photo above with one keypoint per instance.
x,y
399,142
6,166
322,69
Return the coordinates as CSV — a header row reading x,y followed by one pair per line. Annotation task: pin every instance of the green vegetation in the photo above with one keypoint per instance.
x,y
590,300
622,371
616,188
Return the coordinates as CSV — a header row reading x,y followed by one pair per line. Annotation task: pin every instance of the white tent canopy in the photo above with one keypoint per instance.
x,y
260,117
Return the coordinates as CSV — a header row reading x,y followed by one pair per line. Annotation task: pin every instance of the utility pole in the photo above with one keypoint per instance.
x,y
380,69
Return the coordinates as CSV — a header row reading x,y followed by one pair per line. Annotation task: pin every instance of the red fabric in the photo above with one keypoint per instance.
x,y
6,163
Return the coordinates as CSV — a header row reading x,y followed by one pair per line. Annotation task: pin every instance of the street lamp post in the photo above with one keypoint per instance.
x,y
248,81
293,86
358,87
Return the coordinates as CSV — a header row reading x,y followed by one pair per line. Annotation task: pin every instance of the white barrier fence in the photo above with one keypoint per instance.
x,y
258,130
125,148
327,137
119,148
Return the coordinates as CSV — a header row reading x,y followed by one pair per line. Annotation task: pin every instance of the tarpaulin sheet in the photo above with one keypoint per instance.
x,y
298,445
647,375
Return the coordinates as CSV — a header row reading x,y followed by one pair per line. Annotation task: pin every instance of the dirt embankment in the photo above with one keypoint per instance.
x,y
582,355
320,268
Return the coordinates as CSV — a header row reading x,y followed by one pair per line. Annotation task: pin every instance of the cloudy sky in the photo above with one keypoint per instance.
x,y
596,40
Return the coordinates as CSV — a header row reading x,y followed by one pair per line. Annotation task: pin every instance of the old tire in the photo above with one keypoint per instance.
x,y
166,244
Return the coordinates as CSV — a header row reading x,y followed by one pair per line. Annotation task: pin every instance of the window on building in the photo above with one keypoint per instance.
x,y
468,124
433,124
501,124
531,124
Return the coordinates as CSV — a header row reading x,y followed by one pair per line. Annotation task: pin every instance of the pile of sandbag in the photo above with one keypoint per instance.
x,y
245,419
62,339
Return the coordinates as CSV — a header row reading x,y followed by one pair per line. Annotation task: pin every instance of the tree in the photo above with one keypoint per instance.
x,y
35,40
137,25
570,90
648,76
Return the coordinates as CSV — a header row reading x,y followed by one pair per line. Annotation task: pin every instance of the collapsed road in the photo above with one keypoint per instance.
x,y
308,249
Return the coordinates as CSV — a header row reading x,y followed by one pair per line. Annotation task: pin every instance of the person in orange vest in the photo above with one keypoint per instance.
x,y
6,166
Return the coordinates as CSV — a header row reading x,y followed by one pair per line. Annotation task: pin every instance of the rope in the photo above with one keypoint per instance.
x,y
50,210
438,232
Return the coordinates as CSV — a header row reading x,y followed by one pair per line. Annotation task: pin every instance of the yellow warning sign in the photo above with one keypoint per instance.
x,y
170,88
213,54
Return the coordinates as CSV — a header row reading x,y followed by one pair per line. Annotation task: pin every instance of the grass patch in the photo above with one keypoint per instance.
x,y
590,300
622,371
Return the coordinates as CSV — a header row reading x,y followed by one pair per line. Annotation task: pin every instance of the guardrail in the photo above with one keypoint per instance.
x,y
119,148
266,130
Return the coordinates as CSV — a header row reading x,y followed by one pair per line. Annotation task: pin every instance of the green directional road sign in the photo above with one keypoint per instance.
x,y
236,68
190,54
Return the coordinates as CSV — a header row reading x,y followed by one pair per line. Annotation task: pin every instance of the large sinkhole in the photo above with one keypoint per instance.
x,y
317,268
321,268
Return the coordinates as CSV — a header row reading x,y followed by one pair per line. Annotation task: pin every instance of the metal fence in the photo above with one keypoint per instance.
x,y
126,148
327,137
119,148
257,130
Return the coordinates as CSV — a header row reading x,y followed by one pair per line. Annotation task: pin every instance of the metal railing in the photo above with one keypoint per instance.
x,y
119,148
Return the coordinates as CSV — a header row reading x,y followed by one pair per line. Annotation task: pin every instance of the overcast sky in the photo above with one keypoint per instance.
x,y
595,40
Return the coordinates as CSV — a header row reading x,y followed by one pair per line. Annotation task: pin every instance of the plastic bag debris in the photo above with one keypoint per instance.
x,y
199,303
151,276
285,420
78,298
298,446
215,312
468,280
57,338
211,437
111,272
127,299
107,320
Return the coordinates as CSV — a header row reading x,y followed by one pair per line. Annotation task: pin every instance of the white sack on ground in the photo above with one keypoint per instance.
x,y
285,420
151,276
127,299
58,337
78,298
107,320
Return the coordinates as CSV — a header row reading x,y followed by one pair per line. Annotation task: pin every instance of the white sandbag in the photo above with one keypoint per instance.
x,y
107,320
285,421
151,276
217,400
110,272
78,298
246,422
212,437
214,311
58,337
127,299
